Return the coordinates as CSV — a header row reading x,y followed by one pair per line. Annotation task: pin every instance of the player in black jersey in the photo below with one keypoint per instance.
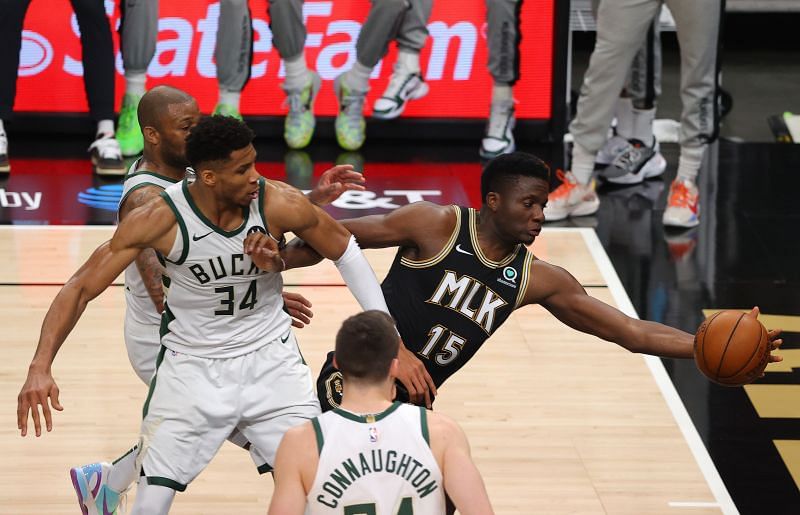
x,y
460,272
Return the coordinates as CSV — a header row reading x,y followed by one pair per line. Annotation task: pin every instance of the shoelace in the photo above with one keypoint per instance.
x,y
681,196
498,119
294,102
567,185
353,106
398,79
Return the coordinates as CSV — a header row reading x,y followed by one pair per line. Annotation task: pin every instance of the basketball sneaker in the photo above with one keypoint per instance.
x,y
499,138
683,204
94,495
129,134
403,86
5,166
571,198
106,156
299,125
350,125
653,166
227,110
630,161
614,146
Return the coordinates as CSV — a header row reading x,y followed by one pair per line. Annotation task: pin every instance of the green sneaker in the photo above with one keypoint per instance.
x,y
350,125
227,110
129,134
299,125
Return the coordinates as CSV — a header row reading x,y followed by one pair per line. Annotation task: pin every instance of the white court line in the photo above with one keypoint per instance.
x,y
690,434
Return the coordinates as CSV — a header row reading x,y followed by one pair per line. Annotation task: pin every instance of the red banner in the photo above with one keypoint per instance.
x,y
454,60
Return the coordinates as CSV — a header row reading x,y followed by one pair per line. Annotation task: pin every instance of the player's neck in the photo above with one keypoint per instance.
x,y
364,399
225,215
492,246
154,165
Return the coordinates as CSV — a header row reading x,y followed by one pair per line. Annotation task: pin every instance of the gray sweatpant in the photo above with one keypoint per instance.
x,y
621,29
233,53
403,20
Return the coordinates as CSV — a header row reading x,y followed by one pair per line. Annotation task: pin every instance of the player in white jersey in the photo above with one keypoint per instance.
x,y
236,366
372,455
166,116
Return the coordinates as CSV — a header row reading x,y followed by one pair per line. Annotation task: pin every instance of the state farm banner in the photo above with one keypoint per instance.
x,y
454,60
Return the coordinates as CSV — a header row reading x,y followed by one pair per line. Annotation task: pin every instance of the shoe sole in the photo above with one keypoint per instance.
x,y
485,154
418,93
681,225
648,171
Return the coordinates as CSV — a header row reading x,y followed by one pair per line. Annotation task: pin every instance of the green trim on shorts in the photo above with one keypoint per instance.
x,y
318,432
163,481
263,469
423,419
166,318
153,382
132,449
181,226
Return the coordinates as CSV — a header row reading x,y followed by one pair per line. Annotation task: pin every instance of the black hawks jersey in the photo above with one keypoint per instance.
x,y
448,305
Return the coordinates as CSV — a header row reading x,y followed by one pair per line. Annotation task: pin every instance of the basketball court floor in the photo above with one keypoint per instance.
x,y
559,422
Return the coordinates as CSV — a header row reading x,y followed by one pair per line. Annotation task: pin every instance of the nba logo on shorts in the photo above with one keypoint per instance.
x,y
373,434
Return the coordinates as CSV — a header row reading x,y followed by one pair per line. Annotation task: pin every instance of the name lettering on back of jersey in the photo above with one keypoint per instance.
x,y
223,266
378,460
459,293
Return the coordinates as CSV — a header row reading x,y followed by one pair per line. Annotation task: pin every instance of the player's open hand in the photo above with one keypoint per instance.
x,y
334,182
264,252
415,378
40,389
299,308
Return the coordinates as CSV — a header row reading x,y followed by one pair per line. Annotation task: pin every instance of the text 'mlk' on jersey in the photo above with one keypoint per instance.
x,y
448,305
219,305
379,464
138,303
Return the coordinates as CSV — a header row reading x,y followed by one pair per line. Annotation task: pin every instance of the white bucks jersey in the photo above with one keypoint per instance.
x,y
376,464
139,304
220,305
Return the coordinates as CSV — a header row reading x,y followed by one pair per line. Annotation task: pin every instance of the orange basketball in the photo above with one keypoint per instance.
x,y
731,348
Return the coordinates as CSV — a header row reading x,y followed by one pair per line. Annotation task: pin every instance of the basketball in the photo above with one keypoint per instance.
x,y
731,348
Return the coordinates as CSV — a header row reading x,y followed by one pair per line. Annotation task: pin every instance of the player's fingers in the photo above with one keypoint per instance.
x,y
413,395
354,187
22,415
37,426
774,344
429,381
54,393
48,417
774,333
300,316
296,297
755,312
296,323
428,403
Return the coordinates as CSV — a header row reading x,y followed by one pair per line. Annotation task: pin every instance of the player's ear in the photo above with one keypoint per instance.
x,y
208,177
151,135
394,368
492,200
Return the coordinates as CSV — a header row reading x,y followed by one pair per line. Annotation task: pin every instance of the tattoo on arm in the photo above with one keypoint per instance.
x,y
151,270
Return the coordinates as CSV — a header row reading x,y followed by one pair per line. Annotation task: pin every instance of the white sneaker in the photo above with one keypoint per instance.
x,y
107,156
5,166
403,86
614,146
571,199
499,138
683,205
95,497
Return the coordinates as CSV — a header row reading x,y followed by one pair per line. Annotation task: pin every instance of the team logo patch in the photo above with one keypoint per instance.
x,y
333,389
255,229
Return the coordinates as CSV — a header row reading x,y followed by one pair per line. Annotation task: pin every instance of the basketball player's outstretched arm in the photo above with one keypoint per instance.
x,y
561,294
149,226
462,480
295,468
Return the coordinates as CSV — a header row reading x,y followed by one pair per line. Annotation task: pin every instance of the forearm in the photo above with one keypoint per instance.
x,y
62,316
360,278
298,254
152,272
664,341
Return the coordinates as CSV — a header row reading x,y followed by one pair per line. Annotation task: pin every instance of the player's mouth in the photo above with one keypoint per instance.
x,y
253,195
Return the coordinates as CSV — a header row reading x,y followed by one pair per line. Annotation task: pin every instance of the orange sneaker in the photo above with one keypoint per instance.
x,y
683,205
571,198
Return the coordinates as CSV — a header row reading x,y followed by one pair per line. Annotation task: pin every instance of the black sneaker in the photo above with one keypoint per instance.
x,y
107,156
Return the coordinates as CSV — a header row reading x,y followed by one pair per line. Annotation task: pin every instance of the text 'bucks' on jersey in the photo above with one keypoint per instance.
x,y
219,304
448,305
378,464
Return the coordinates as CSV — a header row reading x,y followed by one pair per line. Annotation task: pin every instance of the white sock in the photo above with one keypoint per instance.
x,y
690,161
230,97
357,78
297,74
582,164
152,499
135,83
105,128
123,471
624,113
2,129
408,61
502,92
643,125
